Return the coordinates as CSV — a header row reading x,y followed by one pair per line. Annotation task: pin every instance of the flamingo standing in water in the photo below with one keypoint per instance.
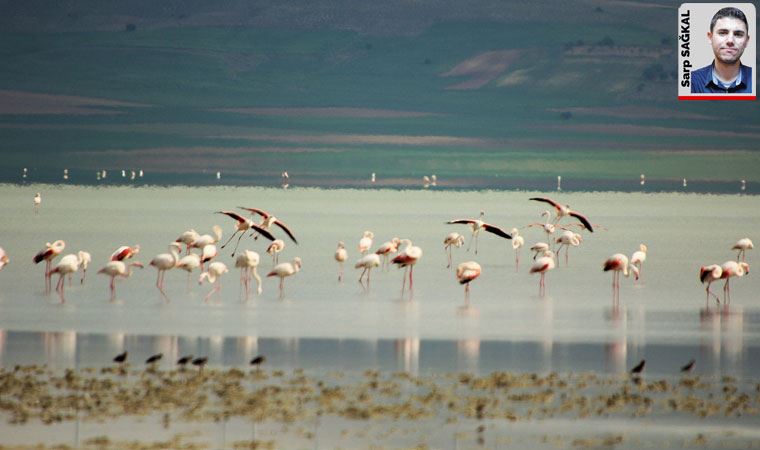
x,y
538,249
208,253
565,211
207,239
548,227
274,250
188,263
476,225
542,265
118,269
3,258
452,239
638,257
164,262
365,243
732,269
285,270
466,272
247,262
268,220
517,244
387,249
48,254
407,259
708,274
242,226
742,245
187,238
619,263
214,275
566,240
341,256
367,262
85,260
66,266
37,202
124,252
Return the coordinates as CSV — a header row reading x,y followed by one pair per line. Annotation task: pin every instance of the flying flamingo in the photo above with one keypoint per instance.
x,y
247,262
187,238
274,250
268,220
365,243
538,249
214,276
542,265
207,239
124,252
638,257
367,262
466,272
476,225
66,266
708,274
563,211
407,259
285,270
118,269
566,240
732,269
452,239
242,226
341,256
3,258
164,262
48,254
619,263
517,243
388,248
742,245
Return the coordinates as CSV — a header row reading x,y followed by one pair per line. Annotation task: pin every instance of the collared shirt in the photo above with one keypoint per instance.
x,y
704,80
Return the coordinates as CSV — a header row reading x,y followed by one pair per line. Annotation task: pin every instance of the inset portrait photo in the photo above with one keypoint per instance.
x,y
716,51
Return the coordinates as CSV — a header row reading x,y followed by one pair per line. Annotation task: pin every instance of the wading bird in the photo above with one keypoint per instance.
x,y
742,245
638,257
548,227
247,262
476,225
274,250
564,211
619,263
341,256
118,269
387,249
242,226
708,274
165,261
124,252
66,266
367,262
3,258
517,244
214,276
452,239
466,272
207,239
365,243
48,254
407,259
268,220
732,269
37,201
285,270
187,238
538,249
542,265
85,260
566,240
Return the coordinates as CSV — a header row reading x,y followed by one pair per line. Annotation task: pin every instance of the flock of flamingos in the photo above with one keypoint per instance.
x,y
120,263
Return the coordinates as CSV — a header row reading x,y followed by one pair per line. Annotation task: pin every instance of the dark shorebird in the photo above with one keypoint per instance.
x,y
121,358
154,359
184,360
688,366
639,367
200,362
258,361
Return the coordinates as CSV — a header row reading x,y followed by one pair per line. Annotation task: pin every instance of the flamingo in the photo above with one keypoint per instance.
x,y
66,266
548,227
563,211
388,248
367,262
638,257
517,244
365,243
619,263
742,245
538,249
732,269
476,225
118,269
214,275
124,252
285,270
452,239
542,265
208,253
37,201
242,226
187,238
48,254
3,258
268,220
466,272
247,262
407,259
207,239
566,240
341,256
188,263
85,260
274,250
166,261
708,274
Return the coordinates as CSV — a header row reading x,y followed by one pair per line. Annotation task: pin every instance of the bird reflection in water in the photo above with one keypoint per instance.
x,y
468,354
408,355
726,324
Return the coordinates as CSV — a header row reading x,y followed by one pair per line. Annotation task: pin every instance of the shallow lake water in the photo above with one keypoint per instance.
x,y
321,325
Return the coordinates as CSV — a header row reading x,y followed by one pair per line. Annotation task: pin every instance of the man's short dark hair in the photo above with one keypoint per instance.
x,y
729,12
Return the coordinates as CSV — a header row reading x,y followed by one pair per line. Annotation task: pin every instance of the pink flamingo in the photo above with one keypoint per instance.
x,y
48,254
638,257
207,239
453,239
407,259
466,272
3,258
242,226
247,262
732,269
365,243
66,266
564,211
118,269
187,238
124,252
742,245
268,220
708,274
476,225
274,249
619,263
517,244
164,262
542,265
285,270
566,240
386,249
367,262
341,256
214,275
